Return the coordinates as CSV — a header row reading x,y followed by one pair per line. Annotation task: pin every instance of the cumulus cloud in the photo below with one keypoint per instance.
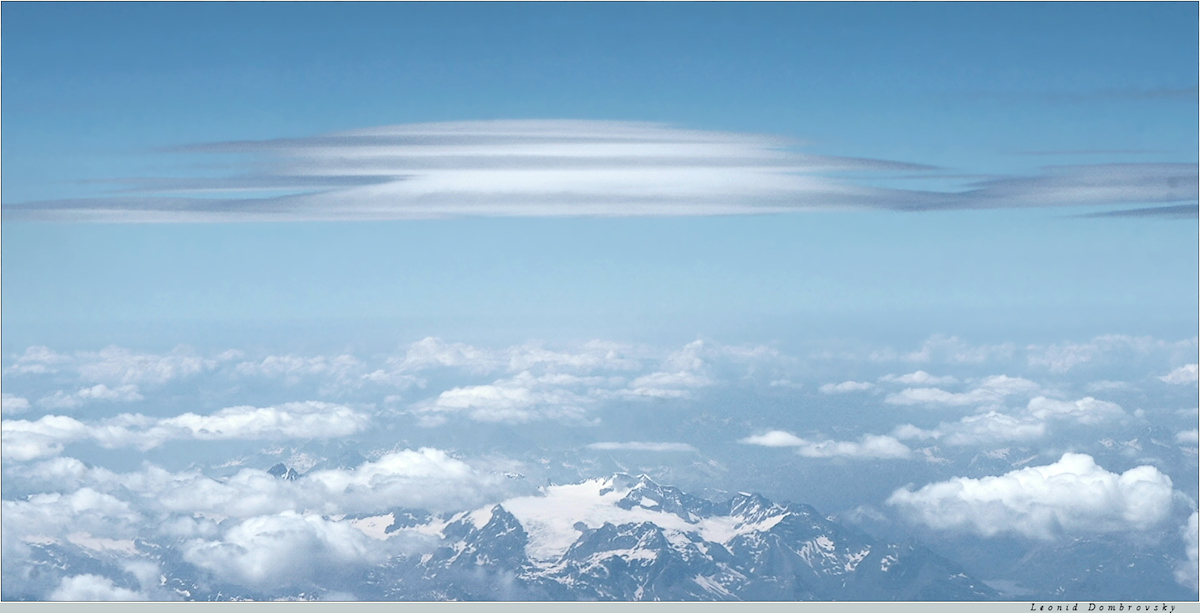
x,y
250,527
1180,376
55,515
573,167
1188,437
844,387
868,446
283,550
26,440
92,588
1071,496
639,446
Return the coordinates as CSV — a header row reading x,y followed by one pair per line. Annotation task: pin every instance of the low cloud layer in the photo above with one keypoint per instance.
x,y
549,168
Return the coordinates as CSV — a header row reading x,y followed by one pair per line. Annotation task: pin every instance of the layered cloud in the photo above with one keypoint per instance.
x,y
551,389
46,436
1071,496
574,167
117,366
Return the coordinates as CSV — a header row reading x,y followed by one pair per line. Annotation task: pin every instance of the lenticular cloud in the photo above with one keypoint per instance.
x,y
556,168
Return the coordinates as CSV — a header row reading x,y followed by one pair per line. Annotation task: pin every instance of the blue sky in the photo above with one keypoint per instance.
x,y
899,244
98,94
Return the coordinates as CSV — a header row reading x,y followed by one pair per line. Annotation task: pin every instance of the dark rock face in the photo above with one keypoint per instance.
x,y
283,472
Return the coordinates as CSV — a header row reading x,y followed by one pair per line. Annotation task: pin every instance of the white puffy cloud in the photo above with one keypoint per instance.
x,y
990,391
919,377
868,446
1071,496
92,588
641,446
26,440
283,550
55,516
1188,437
845,387
1181,376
